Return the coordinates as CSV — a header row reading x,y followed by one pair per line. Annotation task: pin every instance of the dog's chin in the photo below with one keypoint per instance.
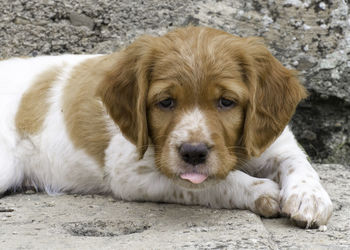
x,y
210,181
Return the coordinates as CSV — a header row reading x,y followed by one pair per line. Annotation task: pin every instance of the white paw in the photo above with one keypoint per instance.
x,y
307,204
266,198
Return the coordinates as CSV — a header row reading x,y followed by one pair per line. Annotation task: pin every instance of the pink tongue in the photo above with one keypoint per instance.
x,y
195,178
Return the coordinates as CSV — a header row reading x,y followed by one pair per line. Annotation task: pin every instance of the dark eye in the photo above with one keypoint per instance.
x,y
226,103
167,103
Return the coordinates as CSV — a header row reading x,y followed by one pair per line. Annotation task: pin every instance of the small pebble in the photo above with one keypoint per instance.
x,y
306,47
322,228
322,5
295,63
29,191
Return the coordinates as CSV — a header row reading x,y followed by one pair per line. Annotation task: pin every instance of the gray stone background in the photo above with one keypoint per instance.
x,y
310,36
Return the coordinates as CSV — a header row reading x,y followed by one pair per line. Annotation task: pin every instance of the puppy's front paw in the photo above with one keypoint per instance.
x,y
308,205
266,198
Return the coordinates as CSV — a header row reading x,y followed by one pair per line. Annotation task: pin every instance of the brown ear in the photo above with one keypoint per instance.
x,y
275,93
124,90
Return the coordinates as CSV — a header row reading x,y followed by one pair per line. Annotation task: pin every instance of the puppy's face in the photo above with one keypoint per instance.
x,y
205,98
196,107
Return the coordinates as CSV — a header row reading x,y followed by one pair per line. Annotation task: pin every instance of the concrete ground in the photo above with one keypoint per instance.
x,y
38,221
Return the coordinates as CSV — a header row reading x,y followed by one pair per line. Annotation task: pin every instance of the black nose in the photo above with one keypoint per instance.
x,y
194,154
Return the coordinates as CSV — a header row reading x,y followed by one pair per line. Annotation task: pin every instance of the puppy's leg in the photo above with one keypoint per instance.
x,y
11,176
240,190
141,182
303,198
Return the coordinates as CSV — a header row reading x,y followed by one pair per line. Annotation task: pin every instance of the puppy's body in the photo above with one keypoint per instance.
x,y
45,159
79,124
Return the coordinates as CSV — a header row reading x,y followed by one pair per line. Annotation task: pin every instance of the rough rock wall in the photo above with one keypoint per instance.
x,y
310,36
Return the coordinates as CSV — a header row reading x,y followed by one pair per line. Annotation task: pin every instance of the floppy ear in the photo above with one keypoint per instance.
x,y
275,93
124,90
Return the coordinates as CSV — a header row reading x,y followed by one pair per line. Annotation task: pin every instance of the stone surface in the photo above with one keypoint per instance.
x,y
39,221
81,20
310,36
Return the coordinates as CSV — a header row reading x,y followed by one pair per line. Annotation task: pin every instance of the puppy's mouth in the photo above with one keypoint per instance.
x,y
194,174
194,161
195,178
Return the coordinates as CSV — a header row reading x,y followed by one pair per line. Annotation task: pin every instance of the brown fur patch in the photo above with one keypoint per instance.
x,y
83,111
255,183
124,89
191,196
267,206
277,178
290,171
231,203
181,196
141,170
276,92
174,195
34,104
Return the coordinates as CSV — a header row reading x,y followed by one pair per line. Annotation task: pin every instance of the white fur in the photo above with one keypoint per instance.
x,y
49,161
192,121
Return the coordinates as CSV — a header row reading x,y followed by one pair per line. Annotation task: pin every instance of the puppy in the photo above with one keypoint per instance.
x,y
197,116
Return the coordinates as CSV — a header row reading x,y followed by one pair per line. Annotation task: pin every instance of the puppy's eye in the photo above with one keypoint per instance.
x,y
226,103
168,103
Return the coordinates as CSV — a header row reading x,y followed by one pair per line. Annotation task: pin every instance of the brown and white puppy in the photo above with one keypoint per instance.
x,y
197,116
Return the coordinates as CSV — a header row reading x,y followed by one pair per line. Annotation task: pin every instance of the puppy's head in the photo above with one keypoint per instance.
x,y
206,99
